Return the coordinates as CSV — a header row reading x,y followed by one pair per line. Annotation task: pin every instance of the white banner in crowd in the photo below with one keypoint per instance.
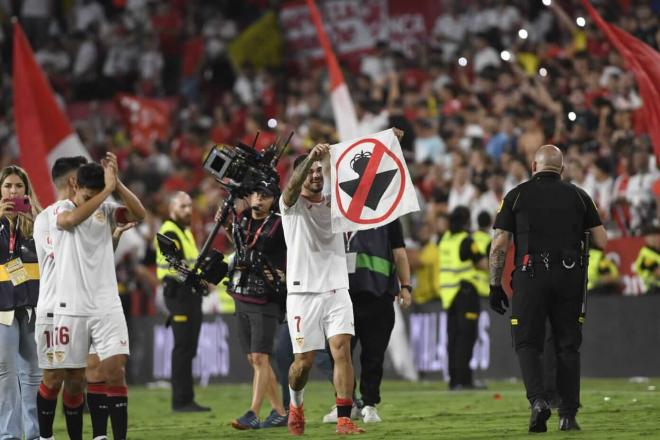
x,y
371,185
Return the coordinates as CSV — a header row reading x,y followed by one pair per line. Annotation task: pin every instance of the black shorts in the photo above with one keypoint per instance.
x,y
256,331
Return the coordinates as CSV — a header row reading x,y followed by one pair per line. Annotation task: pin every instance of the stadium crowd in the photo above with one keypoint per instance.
x,y
496,80
471,107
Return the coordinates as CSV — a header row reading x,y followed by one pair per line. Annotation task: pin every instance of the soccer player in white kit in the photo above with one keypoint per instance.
x,y
64,177
88,309
318,305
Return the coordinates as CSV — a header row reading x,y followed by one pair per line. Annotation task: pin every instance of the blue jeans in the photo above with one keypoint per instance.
x,y
20,377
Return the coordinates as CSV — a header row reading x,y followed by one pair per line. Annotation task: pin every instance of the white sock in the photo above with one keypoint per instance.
x,y
296,397
46,438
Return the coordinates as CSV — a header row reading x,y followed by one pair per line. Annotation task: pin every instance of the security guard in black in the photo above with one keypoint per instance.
x,y
547,219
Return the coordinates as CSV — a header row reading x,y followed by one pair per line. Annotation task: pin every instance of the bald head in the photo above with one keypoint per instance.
x,y
180,208
548,158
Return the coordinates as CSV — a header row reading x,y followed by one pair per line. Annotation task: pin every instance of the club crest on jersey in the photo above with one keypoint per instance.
x,y
99,216
59,356
49,356
300,341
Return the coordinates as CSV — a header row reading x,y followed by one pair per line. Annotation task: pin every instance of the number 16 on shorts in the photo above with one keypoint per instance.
x,y
59,336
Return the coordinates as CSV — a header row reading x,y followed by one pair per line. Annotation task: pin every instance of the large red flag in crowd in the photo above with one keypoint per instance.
x,y
43,130
644,61
147,120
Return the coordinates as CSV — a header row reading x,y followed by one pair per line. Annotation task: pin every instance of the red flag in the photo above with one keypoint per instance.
x,y
146,120
43,130
644,61
342,104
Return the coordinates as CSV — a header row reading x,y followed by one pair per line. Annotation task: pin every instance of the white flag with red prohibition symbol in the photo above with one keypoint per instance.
x,y
371,185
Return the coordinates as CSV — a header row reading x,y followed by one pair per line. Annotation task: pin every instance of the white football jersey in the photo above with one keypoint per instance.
x,y
315,256
44,247
86,281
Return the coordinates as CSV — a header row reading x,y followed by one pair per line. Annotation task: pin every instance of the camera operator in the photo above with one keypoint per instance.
x,y
256,282
184,305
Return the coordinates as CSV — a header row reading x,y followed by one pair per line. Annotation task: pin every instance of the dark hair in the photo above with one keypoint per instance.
x,y
64,165
91,176
459,219
299,160
484,219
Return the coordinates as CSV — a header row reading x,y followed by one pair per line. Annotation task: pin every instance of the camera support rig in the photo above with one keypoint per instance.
x,y
239,169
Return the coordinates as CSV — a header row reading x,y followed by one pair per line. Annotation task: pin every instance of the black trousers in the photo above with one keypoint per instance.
x,y
186,320
374,321
462,328
556,295
550,364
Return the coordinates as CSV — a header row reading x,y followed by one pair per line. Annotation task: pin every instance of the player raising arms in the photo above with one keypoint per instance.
x,y
88,309
318,305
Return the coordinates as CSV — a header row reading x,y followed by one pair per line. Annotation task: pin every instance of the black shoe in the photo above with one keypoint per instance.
x,y
554,400
540,414
568,424
191,407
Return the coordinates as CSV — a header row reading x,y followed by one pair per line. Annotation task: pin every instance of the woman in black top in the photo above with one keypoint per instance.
x,y
19,290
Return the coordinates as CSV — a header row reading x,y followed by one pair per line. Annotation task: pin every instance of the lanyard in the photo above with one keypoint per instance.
x,y
349,237
258,233
12,239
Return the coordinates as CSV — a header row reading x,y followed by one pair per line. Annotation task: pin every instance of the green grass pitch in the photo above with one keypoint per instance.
x,y
612,409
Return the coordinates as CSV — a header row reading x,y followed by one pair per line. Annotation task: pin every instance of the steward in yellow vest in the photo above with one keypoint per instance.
x,y
459,259
482,239
184,306
647,264
425,264
602,275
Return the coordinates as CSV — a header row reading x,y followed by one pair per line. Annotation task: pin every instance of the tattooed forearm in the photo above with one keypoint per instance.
x,y
496,263
498,249
293,188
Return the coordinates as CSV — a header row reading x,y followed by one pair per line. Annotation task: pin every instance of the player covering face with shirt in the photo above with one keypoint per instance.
x,y
88,304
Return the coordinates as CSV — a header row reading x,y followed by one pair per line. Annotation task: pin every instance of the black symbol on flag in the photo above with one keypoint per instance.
x,y
381,180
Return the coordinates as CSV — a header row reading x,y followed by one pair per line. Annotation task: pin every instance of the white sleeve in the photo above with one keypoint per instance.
x,y
65,206
284,209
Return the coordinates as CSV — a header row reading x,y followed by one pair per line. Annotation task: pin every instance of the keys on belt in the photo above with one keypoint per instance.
x,y
528,262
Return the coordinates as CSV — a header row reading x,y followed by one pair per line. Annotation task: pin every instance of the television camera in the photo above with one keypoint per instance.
x,y
240,169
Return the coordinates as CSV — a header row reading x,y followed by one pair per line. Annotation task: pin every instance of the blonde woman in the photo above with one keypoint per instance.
x,y
19,290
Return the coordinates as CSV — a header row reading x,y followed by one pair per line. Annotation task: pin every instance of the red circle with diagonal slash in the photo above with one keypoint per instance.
x,y
357,201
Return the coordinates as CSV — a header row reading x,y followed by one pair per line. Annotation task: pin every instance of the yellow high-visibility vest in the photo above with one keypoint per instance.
x,y
599,264
185,239
481,279
426,276
645,265
452,269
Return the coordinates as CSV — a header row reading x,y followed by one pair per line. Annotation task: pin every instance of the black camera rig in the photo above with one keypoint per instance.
x,y
240,169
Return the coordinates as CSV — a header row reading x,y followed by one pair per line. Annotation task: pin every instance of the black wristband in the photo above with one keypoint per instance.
x,y
407,286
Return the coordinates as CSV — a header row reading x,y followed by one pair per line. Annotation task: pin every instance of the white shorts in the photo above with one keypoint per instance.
x,y
43,335
315,317
75,335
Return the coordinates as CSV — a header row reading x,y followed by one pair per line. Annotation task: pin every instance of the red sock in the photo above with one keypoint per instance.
x,y
344,407
48,393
